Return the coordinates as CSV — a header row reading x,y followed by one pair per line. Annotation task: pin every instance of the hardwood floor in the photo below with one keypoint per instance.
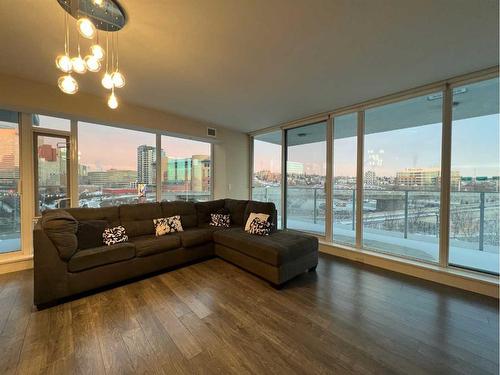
x,y
214,318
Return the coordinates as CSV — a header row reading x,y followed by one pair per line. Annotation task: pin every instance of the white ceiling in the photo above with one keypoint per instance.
x,y
251,64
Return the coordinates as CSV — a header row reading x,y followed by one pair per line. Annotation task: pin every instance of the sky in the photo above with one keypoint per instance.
x,y
475,150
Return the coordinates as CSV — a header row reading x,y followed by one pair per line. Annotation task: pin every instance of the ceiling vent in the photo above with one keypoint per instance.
x,y
211,132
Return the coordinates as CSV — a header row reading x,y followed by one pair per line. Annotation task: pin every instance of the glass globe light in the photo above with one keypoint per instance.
x,y
78,65
107,81
112,101
118,79
63,63
97,51
67,84
86,28
93,65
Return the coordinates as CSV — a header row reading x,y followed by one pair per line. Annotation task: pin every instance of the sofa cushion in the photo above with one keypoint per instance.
x,y
138,218
100,256
110,214
267,208
150,244
61,228
236,210
196,236
204,209
276,249
186,210
90,232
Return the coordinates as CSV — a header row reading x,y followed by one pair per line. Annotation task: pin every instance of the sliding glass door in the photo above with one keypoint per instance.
x,y
402,177
344,178
266,176
10,214
305,178
475,195
52,172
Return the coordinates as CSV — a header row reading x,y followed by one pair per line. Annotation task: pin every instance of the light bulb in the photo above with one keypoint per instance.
x,y
67,84
63,63
112,101
107,81
99,3
118,79
78,65
86,28
97,51
93,65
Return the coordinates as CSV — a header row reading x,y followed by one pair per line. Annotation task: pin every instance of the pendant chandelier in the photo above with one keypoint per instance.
x,y
92,18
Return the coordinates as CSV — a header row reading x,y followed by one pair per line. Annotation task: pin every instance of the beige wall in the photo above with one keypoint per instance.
x,y
231,154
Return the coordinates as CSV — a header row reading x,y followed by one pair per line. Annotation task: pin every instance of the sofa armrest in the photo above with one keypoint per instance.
x,y
50,271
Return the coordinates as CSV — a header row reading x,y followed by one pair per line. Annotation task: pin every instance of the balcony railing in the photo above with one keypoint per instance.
x,y
474,221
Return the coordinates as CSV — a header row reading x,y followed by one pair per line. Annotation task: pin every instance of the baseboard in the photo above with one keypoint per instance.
x,y
18,264
482,284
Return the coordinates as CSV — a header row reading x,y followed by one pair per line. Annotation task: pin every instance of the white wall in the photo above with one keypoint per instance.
x,y
231,154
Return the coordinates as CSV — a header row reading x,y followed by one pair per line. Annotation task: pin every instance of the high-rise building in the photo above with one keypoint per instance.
x,y
146,164
9,155
200,173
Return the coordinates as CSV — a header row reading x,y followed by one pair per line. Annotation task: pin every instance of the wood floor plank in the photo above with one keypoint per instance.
x,y
184,340
167,353
213,318
185,295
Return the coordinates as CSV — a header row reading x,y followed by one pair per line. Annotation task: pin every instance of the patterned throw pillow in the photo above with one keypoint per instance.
x,y
220,220
260,227
251,218
110,236
166,225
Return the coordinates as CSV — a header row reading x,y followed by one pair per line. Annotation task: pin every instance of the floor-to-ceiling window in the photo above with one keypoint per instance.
x,y
10,214
305,178
402,177
266,176
186,169
115,165
475,195
344,178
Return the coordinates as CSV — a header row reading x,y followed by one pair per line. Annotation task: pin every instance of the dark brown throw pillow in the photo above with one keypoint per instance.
x,y
90,232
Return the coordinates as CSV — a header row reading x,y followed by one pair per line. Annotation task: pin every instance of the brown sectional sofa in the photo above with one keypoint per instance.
x,y
61,269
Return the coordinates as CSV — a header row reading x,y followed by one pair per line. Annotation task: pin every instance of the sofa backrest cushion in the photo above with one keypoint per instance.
x,y
90,232
204,209
110,214
236,210
262,208
138,218
61,228
186,210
